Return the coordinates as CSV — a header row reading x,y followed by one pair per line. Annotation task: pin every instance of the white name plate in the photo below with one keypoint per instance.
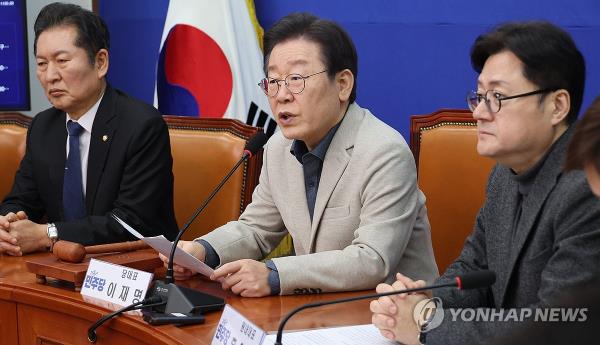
x,y
235,329
115,283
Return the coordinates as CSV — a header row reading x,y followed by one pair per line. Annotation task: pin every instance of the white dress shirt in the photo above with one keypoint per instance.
x,y
86,121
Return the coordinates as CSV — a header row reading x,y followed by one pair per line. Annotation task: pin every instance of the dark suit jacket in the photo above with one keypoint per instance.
x,y
129,173
556,247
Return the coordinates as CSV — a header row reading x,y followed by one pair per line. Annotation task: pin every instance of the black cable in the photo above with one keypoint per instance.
x,y
148,302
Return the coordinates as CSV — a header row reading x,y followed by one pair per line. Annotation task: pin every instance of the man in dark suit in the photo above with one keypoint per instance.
x,y
95,152
539,228
583,153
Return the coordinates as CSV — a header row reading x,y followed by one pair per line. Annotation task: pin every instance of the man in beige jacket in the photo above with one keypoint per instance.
x,y
339,180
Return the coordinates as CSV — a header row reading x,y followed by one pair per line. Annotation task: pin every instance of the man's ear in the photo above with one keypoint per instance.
x,y
560,105
345,82
101,63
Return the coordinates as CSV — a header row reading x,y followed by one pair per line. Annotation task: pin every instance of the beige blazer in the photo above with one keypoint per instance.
x,y
369,220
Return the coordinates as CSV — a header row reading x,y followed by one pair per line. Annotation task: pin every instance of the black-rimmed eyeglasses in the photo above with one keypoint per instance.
x,y
493,99
295,83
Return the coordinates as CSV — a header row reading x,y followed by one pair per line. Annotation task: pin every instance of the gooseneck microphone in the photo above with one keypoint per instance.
x,y
183,300
166,296
254,146
470,280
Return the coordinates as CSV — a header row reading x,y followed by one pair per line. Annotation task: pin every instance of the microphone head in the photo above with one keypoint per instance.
x,y
476,280
256,143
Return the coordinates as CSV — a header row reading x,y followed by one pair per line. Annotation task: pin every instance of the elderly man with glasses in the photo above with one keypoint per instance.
x,y
339,180
539,228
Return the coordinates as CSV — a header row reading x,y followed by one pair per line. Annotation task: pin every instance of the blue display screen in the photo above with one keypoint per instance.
x,y
14,69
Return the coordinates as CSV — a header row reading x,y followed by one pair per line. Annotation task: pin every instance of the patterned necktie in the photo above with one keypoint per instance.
x,y
73,201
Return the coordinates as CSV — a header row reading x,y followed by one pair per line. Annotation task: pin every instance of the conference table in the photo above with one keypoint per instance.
x,y
54,313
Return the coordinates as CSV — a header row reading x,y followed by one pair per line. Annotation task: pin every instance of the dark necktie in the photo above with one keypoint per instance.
x,y
73,201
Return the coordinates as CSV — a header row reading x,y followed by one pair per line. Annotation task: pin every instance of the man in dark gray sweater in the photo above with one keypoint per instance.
x,y
539,228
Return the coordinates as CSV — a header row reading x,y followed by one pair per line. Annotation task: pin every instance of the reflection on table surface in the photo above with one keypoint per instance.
x,y
19,286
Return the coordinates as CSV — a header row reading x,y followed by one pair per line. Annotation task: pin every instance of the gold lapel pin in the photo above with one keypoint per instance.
x,y
104,137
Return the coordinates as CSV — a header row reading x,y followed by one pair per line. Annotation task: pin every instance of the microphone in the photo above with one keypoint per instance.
x,y
179,299
467,281
476,280
254,146
184,300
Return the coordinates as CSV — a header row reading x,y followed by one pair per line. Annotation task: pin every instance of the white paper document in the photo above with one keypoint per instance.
x,y
349,335
163,246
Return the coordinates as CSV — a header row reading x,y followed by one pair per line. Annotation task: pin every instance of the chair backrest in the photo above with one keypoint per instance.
x,y
204,150
452,175
13,134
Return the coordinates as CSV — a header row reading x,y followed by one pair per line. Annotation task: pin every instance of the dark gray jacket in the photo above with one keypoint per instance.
x,y
556,248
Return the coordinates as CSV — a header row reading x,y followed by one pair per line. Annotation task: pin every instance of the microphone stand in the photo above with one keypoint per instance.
x,y
184,300
351,299
169,275
470,280
179,299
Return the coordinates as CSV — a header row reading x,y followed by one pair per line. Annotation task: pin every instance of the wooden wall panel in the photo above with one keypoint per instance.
x,y
8,323
39,326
